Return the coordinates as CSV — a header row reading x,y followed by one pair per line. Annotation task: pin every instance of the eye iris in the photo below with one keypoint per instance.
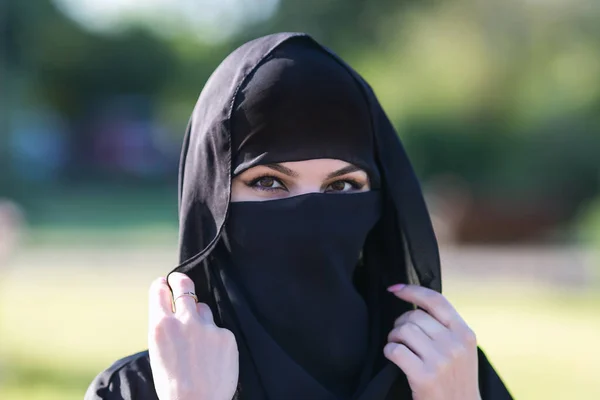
x,y
338,186
266,182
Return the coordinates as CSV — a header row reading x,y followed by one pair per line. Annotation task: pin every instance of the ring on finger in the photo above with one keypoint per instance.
x,y
189,294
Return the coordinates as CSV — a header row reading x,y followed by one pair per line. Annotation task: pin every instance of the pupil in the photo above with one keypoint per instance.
x,y
339,185
266,182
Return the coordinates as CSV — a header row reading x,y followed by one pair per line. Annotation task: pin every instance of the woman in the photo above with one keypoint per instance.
x,y
298,208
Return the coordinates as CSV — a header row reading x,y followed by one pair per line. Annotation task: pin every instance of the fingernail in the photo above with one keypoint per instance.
x,y
162,279
396,287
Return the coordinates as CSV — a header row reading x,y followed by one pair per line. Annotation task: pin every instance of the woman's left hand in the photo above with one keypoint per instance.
x,y
434,347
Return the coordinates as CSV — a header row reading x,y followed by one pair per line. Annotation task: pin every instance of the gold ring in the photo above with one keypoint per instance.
x,y
190,294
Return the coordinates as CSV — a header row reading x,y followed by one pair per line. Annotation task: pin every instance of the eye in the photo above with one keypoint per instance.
x,y
266,183
343,186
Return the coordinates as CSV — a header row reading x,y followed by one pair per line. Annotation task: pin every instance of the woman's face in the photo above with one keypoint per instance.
x,y
288,179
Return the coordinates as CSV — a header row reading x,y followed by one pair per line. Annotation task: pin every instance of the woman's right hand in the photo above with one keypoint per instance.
x,y
191,357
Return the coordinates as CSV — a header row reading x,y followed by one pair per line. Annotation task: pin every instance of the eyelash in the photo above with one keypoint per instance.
x,y
253,183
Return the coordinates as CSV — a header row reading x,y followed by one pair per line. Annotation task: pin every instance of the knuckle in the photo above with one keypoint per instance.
x,y
393,335
225,339
394,352
226,336
413,328
163,326
169,322
431,295
154,284
416,315
404,317
157,286
440,366
186,317
156,333
399,320
456,351
437,301
181,282
469,337
406,330
204,310
398,351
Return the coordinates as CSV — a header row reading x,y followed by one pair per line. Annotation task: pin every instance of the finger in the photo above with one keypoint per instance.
x,y
180,284
159,299
431,326
415,339
429,300
205,313
404,358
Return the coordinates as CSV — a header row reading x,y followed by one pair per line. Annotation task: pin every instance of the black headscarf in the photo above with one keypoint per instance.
x,y
300,281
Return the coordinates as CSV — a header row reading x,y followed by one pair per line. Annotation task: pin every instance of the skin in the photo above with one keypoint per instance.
x,y
277,181
434,347
192,358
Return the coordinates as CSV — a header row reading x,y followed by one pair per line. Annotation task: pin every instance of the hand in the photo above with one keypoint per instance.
x,y
434,347
190,357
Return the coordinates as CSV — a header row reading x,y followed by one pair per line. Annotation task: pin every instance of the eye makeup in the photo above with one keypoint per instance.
x,y
355,185
268,182
276,180
254,183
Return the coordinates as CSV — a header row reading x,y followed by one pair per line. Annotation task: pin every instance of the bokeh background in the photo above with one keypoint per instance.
x,y
497,102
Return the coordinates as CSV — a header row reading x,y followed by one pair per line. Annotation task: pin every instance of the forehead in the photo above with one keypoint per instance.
x,y
313,166
324,163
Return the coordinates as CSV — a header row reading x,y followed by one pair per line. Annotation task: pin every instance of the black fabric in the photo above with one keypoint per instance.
x,y
281,98
295,261
300,104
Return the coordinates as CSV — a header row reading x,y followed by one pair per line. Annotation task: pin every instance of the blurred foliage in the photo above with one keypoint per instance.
x,y
590,222
587,227
503,94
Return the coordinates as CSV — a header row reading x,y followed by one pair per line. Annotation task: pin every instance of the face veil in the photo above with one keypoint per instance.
x,y
261,106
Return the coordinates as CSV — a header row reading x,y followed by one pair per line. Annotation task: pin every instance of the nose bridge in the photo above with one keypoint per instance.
x,y
306,188
308,182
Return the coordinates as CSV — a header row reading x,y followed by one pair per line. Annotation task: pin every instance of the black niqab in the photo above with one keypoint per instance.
x,y
284,98
294,261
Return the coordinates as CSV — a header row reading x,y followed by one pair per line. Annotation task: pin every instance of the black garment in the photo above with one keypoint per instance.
x,y
286,98
299,282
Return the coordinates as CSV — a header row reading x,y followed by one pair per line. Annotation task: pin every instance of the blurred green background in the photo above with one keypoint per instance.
x,y
497,102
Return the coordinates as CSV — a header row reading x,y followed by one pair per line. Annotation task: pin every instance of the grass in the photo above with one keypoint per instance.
x,y
66,314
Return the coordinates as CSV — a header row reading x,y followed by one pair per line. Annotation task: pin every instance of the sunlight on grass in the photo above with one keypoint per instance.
x,y
61,323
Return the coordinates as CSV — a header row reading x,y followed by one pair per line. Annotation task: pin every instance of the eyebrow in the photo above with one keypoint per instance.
x,y
290,172
343,171
282,169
